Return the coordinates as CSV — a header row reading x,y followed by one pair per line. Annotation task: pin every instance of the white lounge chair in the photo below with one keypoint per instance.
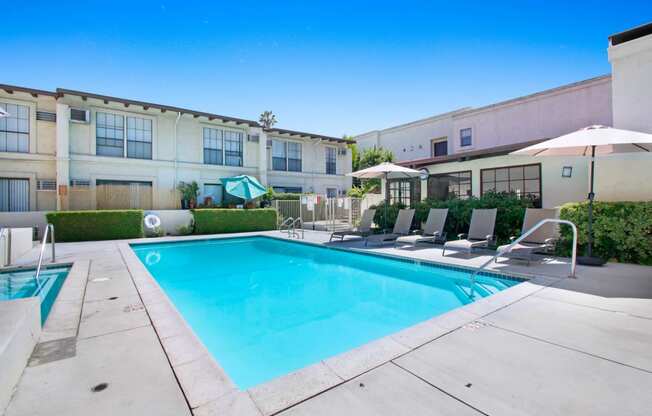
x,y
542,240
401,228
433,230
362,230
481,232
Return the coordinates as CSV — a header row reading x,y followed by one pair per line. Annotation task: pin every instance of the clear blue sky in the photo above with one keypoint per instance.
x,y
325,67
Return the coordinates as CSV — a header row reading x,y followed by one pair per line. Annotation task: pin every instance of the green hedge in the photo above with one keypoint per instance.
x,y
286,196
622,231
217,221
509,218
96,225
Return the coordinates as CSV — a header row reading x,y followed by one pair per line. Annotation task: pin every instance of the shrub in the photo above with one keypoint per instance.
x,y
509,218
96,225
392,214
286,196
622,231
217,221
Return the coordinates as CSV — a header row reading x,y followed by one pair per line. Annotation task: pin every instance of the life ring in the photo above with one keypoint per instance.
x,y
152,222
152,258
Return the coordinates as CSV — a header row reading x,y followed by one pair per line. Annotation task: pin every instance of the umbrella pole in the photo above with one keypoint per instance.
x,y
589,251
386,201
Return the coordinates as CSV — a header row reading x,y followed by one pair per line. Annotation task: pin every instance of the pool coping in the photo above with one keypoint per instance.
x,y
207,385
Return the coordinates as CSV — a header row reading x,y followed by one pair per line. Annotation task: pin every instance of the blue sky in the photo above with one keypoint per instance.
x,y
325,67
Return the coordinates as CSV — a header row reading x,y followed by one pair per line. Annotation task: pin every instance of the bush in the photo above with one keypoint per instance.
x,y
96,225
622,231
392,214
217,221
286,196
509,218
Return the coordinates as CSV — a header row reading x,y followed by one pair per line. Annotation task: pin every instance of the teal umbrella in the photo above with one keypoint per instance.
x,y
243,186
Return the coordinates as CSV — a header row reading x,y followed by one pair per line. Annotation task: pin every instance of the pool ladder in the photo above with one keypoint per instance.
x,y
521,238
290,225
49,229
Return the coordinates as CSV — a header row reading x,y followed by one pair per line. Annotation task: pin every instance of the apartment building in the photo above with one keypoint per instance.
x,y
466,152
69,150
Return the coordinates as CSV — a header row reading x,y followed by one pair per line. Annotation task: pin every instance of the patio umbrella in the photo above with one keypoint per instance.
x,y
387,171
243,186
591,141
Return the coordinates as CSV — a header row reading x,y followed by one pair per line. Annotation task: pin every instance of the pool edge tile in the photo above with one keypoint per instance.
x,y
352,363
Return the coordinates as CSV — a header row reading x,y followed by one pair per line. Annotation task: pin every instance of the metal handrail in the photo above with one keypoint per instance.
x,y
48,228
298,221
521,238
287,223
6,236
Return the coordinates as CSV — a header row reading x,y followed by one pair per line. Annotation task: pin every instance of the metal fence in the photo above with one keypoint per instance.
x,y
319,212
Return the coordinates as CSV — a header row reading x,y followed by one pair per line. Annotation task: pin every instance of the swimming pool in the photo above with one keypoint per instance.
x,y
20,283
266,307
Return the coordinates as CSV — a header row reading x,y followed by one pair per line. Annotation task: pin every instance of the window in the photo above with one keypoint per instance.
x,y
450,185
439,147
139,138
14,195
286,156
331,192
109,134
294,157
233,148
287,189
524,181
214,191
331,161
404,191
14,128
213,146
466,137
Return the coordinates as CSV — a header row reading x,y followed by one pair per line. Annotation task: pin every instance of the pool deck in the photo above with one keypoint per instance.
x,y
553,346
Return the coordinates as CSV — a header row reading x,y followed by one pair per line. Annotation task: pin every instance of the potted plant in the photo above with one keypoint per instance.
x,y
189,192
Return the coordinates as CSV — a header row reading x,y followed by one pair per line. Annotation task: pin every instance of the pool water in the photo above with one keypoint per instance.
x,y
266,307
21,284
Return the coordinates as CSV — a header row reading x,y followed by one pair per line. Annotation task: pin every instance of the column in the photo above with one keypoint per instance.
x,y
63,156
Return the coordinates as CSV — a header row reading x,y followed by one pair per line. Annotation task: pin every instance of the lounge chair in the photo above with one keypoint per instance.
x,y
542,240
362,230
481,232
401,228
433,230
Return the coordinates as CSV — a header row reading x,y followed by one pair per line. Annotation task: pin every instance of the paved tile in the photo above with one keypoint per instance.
x,y
203,381
386,390
107,316
502,373
140,381
358,360
234,404
612,335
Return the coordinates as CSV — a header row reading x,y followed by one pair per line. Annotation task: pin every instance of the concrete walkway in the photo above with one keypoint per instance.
x,y
579,346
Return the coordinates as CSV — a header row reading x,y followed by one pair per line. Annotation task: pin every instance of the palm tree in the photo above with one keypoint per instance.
x,y
267,119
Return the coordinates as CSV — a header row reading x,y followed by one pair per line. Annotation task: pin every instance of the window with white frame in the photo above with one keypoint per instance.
x,y
466,137
109,134
139,138
14,128
222,147
331,161
286,156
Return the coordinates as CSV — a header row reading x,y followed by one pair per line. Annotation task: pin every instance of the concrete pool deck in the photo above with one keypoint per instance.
x,y
551,346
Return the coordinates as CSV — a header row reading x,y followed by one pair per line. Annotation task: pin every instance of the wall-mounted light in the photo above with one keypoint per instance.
x,y
566,171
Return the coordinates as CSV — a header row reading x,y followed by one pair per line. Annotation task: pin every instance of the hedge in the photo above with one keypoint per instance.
x,y
217,221
509,218
622,231
286,196
96,225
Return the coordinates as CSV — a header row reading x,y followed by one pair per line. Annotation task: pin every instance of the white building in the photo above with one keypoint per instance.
x,y
68,149
466,152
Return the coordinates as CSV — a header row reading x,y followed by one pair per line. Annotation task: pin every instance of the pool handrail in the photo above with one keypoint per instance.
x,y
48,228
298,221
521,238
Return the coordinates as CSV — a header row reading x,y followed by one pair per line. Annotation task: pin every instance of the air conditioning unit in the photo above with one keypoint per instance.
x,y
80,116
341,152
253,138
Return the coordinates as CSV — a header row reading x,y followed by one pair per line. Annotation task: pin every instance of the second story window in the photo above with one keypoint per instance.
x,y
139,138
233,148
286,156
109,135
294,157
466,137
14,128
331,161
213,147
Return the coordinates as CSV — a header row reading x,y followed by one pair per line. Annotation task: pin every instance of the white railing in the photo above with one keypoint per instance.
x,y
286,225
297,223
521,238
48,228
5,255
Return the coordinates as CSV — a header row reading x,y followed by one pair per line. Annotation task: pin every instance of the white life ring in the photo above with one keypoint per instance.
x,y
152,258
152,222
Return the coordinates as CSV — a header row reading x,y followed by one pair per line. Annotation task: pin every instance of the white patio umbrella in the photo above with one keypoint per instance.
x,y
591,141
387,171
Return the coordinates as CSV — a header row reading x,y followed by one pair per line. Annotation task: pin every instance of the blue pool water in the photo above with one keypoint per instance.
x,y
265,307
21,284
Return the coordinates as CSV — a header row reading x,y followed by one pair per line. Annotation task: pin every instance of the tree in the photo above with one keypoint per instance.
x,y
374,156
366,159
267,119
